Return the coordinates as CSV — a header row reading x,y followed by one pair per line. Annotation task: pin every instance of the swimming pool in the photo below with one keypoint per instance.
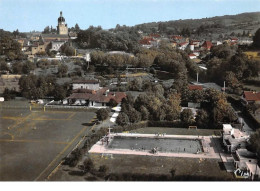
x,y
174,145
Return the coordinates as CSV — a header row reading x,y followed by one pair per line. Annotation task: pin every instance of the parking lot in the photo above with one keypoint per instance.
x,y
32,143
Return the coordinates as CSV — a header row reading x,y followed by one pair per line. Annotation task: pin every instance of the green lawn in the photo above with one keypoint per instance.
x,y
177,131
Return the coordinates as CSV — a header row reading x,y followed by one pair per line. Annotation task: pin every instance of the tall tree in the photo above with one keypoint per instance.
x,y
256,39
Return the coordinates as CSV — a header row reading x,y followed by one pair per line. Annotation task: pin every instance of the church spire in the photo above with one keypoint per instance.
x,y
60,13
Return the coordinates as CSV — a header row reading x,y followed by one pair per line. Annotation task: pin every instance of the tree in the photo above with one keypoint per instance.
x,y
112,103
173,107
103,168
27,67
17,68
59,93
9,94
88,165
187,116
144,112
202,119
46,30
62,69
134,116
102,114
232,81
136,84
4,66
255,142
77,29
256,39
122,119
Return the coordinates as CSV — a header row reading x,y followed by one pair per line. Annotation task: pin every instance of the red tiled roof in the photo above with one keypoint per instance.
x,y
176,37
207,44
98,96
192,54
195,87
183,43
146,41
155,35
252,96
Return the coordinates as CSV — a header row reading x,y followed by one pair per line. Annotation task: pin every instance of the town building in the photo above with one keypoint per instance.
x,y
86,84
93,98
234,138
206,45
250,97
62,27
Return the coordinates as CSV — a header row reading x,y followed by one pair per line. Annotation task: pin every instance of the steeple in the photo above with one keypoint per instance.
x,y
62,26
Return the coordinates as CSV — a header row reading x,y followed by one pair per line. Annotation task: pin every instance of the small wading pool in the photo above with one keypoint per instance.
x,y
173,145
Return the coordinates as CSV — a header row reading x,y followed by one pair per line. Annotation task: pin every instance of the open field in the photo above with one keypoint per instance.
x,y
177,131
252,87
253,54
162,165
32,143
194,167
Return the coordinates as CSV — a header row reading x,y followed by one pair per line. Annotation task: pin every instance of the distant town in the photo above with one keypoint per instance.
x,y
166,101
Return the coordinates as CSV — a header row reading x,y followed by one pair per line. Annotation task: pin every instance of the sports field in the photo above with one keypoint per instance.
x,y
32,143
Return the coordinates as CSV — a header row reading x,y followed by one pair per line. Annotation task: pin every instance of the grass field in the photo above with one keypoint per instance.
x,y
253,54
177,131
32,143
150,165
252,87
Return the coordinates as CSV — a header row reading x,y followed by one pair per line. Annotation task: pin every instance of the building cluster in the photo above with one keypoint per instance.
x,y
193,45
89,93
235,141
40,43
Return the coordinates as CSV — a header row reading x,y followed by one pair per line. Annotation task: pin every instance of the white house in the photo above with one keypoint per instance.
x,y
93,98
246,162
183,45
55,45
233,138
192,56
86,84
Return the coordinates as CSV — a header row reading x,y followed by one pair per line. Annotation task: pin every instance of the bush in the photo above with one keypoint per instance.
x,y
102,114
88,165
164,124
9,94
73,158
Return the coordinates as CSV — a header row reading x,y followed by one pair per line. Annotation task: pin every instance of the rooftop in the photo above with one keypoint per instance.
x,y
252,96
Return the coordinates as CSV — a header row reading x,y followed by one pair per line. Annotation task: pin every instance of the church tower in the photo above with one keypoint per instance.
x,y
62,28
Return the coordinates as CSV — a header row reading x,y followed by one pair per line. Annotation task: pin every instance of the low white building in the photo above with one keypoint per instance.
x,y
92,98
55,45
233,138
86,84
246,164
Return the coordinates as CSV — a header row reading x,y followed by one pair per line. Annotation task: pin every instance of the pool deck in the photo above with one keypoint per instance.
x,y
207,144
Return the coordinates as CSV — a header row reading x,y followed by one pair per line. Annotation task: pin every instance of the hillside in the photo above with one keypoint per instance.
x,y
216,25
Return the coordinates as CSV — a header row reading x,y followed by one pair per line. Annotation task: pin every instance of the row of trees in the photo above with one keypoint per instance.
x,y
18,67
231,65
96,37
35,87
174,61
10,47
165,105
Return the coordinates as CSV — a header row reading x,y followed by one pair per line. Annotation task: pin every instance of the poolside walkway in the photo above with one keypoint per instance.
x,y
207,143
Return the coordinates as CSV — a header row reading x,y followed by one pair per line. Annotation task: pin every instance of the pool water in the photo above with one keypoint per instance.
x,y
174,145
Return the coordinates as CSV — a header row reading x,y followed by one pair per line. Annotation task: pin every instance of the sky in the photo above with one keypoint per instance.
x,y
29,15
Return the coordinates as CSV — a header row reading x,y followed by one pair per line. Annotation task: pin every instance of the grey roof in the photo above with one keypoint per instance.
x,y
54,36
244,153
